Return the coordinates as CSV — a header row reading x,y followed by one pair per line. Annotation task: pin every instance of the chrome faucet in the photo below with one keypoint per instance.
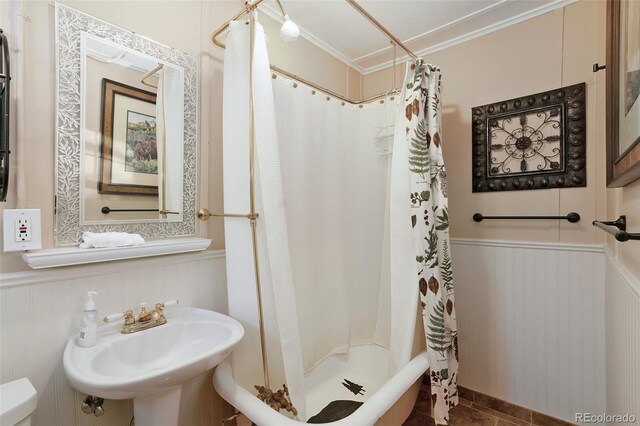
x,y
145,318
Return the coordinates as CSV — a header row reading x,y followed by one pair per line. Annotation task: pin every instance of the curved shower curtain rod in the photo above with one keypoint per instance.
x,y
249,7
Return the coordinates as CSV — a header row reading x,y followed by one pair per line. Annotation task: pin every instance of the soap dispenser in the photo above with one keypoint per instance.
x,y
88,333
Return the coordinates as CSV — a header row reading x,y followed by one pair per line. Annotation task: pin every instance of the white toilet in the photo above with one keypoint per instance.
x,y
18,399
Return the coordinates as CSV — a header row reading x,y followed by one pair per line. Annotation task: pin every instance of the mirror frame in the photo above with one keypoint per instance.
x,y
70,24
622,167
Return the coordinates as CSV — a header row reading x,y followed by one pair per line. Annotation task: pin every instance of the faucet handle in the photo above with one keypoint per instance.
x,y
160,306
112,317
128,316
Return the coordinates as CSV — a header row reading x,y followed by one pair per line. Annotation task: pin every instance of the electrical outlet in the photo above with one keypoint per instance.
x,y
22,229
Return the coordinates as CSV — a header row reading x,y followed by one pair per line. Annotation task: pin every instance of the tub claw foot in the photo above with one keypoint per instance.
x,y
277,400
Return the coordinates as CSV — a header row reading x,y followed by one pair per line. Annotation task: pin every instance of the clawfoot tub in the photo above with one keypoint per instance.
x,y
388,400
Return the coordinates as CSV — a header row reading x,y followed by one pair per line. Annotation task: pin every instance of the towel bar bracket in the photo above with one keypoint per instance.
x,y
621,223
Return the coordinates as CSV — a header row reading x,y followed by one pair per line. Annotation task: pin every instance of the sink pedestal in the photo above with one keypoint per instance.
x,y
158,408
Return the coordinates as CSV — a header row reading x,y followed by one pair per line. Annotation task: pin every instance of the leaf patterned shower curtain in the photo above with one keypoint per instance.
x,y
430,222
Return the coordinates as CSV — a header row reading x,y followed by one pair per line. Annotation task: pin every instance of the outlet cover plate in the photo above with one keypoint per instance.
x,y
10,218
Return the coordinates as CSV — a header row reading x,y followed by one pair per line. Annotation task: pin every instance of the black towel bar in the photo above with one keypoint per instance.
x,y
572,217
107,210
621,234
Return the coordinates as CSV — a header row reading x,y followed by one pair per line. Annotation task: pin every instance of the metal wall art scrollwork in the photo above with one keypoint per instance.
x,y
533,142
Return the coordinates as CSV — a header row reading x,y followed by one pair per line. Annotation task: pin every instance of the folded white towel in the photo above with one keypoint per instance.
x,y
110,239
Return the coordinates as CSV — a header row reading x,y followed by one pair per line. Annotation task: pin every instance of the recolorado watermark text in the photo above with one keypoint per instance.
x,y
605,418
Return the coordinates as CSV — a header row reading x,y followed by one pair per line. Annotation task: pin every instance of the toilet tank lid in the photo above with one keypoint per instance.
x,y
18,399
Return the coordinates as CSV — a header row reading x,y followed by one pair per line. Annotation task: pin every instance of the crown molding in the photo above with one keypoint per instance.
x,y
423,39
419,37
467,36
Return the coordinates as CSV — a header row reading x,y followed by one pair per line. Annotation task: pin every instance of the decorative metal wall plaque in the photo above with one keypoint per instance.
x,y
533,142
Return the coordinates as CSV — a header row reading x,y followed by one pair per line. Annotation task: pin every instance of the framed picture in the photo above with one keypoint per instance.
x,y
623,92
532,142
129,156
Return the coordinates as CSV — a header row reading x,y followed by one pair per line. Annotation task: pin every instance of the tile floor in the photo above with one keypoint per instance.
x,y
469,413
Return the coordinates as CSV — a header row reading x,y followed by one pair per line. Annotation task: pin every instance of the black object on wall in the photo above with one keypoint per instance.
x,y
532,142
5,98
572,217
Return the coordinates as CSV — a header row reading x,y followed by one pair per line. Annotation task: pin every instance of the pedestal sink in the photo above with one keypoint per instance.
x,y
150,366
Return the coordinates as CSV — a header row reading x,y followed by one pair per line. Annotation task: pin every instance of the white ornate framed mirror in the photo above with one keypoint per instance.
x,y
126,142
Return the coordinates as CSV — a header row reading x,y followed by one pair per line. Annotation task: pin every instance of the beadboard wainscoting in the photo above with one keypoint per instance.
x,y
531,323
623,340
39,310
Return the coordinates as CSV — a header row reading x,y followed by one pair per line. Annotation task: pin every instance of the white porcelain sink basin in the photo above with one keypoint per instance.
x,y
151,365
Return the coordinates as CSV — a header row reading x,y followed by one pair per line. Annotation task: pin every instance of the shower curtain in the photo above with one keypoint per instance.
x,y
280,314
337,253
420,208
334,161
326,214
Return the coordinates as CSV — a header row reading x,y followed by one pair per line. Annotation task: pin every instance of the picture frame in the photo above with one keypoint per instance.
x,y
536,141
623,92
128,150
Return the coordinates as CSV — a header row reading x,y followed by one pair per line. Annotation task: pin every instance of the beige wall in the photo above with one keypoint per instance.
x,y
37,139
184,25
552,50
558,50
539,54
